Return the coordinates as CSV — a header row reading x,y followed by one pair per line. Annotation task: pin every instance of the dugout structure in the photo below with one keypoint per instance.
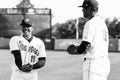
x,y
10,19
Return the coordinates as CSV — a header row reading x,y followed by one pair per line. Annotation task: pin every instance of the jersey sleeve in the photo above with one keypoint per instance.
x,y
13,44
89,32
42,50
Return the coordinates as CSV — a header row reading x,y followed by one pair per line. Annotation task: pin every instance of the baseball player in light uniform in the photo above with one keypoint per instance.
x,y
94,45
29,53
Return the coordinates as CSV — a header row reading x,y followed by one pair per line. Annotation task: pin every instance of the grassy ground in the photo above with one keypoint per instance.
x,y
59,66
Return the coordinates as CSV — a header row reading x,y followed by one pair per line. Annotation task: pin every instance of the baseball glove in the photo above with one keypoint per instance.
x,y
26,68
72,49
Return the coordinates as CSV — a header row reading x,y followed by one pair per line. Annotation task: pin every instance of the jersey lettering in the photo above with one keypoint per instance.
x,y
30,48
33,58
105,35
22,46
34,50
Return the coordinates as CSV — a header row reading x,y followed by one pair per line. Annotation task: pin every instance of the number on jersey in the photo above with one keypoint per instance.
x,y
33,58
105,35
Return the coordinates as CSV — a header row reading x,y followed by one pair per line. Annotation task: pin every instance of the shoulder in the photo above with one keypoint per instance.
x,y
98,18
99,21
38,40
14,37
95,21
13,40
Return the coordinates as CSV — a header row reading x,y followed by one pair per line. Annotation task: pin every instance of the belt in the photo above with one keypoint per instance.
x,y
88,59
84,59
94,58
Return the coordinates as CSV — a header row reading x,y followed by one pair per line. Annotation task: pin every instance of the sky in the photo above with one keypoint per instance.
x,y
63,10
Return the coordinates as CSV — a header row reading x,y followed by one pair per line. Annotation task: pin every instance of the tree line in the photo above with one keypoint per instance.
x,y
67,30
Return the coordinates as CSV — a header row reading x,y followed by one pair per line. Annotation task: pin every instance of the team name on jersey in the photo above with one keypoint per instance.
x,y
28,48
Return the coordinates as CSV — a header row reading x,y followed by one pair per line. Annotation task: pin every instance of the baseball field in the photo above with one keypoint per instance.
x,y
59,66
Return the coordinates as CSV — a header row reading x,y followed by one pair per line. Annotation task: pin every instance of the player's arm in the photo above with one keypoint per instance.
x,y
83,47
14,48
74,50
17,56
40,63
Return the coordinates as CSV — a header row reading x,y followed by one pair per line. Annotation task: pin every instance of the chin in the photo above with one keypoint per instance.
x,y
84,16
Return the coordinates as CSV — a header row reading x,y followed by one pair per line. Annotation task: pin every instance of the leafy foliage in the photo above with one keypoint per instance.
x,y
113,27
68,29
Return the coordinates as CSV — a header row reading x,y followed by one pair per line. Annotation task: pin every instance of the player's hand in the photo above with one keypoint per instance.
x,y
72,49
26,68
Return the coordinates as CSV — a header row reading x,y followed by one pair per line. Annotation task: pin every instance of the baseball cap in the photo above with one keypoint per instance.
x,y
89,3
26,22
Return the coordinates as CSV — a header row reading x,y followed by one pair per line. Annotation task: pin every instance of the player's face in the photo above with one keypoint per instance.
x,y
27,31
87,13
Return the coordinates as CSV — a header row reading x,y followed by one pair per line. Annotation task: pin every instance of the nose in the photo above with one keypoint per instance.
x,y
83,10
25,30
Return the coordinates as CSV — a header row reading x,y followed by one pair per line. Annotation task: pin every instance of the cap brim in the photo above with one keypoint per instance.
x,y
26,25
80,6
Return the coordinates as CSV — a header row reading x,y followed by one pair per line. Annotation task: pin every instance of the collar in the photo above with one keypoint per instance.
x,y
29,40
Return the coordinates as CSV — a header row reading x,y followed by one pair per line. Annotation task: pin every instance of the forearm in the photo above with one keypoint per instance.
x,y
17,57
39,64
82,47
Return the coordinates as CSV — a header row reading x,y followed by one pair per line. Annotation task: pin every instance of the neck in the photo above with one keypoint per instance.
x,y
93,14
90,17
27,37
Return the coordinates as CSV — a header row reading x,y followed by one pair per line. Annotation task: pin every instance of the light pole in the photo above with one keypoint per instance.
x,y
77,28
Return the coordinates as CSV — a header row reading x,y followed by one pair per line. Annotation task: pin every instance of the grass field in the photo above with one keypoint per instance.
x,y
59,66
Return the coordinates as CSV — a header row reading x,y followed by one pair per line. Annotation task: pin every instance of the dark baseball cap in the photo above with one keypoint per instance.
x,y
89,3
26,22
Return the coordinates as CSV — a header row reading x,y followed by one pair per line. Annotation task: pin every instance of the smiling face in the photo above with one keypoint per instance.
x,y
27,31
27,28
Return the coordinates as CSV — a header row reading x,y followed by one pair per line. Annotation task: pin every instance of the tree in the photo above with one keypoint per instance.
x,y
117,30
68,29
65,30
111,27
81,24
43,34
23,6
